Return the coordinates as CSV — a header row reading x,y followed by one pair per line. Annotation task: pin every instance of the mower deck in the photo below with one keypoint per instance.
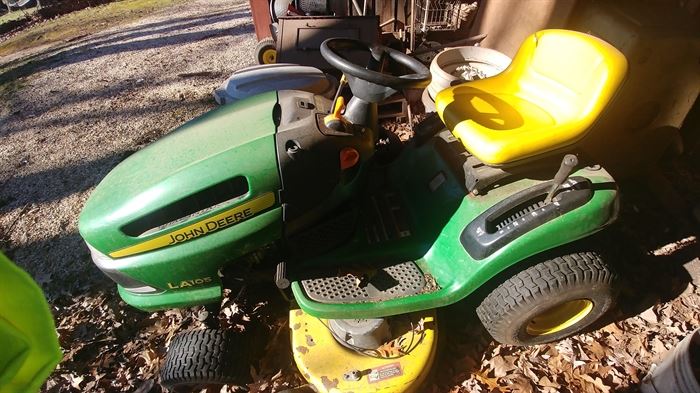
x,y
401,365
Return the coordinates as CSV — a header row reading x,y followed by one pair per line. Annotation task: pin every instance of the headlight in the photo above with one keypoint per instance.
x,y
104,262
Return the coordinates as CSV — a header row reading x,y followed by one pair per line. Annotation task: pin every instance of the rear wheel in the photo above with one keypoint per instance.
x,y
551,300
266,51
204,357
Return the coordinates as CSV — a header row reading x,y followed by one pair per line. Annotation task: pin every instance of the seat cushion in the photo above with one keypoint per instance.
x,y
539,103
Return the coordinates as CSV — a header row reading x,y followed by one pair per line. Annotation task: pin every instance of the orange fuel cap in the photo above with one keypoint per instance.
x,y
348,158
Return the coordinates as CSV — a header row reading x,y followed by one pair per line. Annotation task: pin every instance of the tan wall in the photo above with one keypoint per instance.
x,y
508,22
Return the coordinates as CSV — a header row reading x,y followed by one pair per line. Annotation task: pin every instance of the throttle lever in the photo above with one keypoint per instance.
x,y
568,164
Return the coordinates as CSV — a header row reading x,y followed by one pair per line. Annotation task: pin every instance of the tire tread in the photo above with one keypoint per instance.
x,y
544,279
202,357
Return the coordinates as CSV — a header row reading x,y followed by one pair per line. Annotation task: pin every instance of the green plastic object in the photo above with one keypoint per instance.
x,y
29,349
148,230
235,140
437,218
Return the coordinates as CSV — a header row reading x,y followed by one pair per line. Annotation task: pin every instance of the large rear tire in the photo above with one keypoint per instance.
x,y
204,357
550,300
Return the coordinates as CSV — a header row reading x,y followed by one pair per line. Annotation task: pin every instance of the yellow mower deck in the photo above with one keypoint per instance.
x,y
400,366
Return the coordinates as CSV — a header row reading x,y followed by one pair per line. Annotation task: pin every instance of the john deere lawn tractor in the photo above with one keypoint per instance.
x,y
371,235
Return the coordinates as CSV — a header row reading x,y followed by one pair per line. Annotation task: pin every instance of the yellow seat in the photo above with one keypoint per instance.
x,y
547,99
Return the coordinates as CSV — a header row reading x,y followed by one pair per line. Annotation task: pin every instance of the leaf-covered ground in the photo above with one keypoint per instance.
x,y
82,107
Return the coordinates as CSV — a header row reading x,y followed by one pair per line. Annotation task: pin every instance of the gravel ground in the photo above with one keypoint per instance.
x,y
77,110
65,126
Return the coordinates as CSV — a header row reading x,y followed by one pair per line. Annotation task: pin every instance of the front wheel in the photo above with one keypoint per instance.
x,y
204,357
551,300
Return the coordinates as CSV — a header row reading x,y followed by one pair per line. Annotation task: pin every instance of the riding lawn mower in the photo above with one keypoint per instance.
x,y
369,234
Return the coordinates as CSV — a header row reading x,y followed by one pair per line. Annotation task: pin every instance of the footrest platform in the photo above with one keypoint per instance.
x,y
390,282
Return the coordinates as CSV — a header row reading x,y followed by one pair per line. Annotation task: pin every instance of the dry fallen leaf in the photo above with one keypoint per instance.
x,y
649,315
501,365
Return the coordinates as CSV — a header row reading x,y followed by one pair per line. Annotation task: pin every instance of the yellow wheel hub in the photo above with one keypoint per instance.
x,y
559,317
269,56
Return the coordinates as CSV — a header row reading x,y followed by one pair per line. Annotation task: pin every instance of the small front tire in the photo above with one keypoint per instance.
x,y
266,51
204,357
550,300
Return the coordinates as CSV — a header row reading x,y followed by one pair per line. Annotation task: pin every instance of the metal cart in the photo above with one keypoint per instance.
x,y
409,20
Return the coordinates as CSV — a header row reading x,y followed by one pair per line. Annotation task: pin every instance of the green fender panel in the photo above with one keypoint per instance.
x,y
438,218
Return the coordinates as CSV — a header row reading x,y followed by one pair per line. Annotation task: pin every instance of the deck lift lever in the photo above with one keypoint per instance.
x,y
568,164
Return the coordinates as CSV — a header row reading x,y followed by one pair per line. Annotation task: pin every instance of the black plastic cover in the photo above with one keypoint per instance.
x,y
308,155
520,213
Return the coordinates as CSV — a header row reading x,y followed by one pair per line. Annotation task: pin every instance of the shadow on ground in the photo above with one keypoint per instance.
x,y
133,39
57,183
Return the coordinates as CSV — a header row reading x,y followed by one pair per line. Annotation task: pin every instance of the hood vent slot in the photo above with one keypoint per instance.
x,y
188,207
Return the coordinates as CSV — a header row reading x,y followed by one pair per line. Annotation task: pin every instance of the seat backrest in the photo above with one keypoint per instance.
x,y
575,71
549,98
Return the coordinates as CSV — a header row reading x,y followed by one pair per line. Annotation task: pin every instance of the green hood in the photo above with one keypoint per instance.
x,y
227,153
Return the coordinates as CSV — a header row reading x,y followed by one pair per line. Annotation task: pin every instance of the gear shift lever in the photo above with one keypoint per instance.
x,y
568,164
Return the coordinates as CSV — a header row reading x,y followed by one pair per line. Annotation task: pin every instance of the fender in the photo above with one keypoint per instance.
x,y
458,274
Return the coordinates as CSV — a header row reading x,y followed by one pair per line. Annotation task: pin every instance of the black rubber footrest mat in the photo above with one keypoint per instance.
x,y
391,282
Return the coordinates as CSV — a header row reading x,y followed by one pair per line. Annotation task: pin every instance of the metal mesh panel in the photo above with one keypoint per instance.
x,y
438,14
401,280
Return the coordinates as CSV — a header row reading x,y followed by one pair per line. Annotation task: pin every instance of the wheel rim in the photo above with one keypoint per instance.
x,y
269,56
559,317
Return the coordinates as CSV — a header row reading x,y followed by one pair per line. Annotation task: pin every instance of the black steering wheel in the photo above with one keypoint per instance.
x,y
419,79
